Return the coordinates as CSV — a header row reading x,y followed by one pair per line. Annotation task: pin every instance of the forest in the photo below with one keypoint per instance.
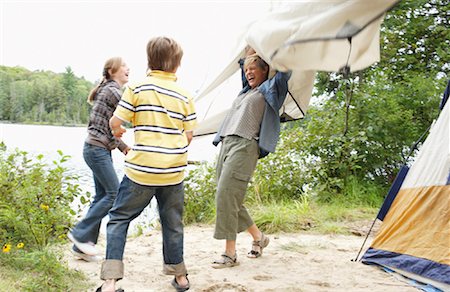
x,y
43,97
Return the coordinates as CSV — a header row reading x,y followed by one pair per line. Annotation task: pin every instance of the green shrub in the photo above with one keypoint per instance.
x,y
278,177
200,189
35,199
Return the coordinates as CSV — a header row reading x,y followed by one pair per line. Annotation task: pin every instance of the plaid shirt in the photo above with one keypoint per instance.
x,y
105,102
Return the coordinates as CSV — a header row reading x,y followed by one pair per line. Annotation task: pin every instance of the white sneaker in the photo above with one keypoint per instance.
x,y
86,257
85,247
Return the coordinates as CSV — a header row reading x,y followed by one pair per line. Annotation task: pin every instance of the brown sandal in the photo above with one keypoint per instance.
x,y
225,262
262,243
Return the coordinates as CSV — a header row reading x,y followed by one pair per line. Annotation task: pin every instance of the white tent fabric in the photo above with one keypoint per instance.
x,y
314,35
436,148
305,37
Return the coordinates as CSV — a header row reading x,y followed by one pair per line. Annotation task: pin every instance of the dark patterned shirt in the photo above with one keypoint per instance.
x,y
105,102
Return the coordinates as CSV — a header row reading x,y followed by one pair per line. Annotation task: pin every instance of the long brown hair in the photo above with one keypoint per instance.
x,y
112,65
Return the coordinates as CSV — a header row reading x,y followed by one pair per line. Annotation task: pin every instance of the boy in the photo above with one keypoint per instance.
x,y
163,119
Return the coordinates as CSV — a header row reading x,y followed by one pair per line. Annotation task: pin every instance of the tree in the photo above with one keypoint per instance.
x,y
363,125
43,96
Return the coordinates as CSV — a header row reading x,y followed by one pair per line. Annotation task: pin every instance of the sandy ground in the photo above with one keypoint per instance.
x,y
291,262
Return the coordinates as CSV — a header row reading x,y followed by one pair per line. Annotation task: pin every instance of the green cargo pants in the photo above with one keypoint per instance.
x,y
235,166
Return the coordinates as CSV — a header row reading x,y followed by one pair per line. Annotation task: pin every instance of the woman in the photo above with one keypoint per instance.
x,y
249,131
97,154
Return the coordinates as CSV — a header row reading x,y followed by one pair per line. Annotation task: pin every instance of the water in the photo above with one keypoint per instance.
x,y
47,140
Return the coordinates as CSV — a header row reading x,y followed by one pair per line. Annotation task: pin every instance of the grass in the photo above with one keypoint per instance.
x,y
296,216
289,216
339,219
43,270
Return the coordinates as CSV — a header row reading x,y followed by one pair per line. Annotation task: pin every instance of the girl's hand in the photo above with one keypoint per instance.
x,y
118,132
125,151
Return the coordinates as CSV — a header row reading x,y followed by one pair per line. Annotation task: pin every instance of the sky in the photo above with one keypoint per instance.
x,y
51,35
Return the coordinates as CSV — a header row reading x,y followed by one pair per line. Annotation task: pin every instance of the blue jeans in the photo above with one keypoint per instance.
x,y
106,182
131,201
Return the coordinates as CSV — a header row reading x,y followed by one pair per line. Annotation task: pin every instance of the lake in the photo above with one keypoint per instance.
x,y
47,140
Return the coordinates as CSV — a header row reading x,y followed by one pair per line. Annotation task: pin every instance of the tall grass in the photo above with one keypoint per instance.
x,y
288,216
278,202
356,193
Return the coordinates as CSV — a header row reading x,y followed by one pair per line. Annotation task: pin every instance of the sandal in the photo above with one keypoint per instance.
x,y
262,243
178,287
99,289
225,262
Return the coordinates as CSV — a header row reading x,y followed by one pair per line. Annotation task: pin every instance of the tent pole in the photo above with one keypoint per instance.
x,y
367,236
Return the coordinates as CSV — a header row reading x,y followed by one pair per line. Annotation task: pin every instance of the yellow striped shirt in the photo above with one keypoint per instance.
x,y
161,112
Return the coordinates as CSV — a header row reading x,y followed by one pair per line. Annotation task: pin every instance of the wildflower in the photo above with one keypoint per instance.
x,y
6,248
20,245
44,207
